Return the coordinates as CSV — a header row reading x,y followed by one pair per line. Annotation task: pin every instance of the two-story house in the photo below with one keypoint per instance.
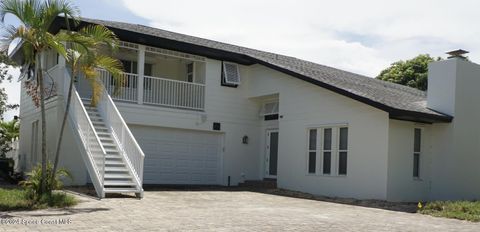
x,y
194,111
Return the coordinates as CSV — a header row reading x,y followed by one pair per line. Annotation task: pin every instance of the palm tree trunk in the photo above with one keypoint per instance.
x,y
44,127
62,129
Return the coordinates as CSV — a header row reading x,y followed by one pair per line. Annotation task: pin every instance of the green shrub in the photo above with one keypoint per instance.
x,y
32,183
18,199
464,210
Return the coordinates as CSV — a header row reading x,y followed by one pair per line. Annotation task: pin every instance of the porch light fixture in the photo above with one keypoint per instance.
x,y
245,139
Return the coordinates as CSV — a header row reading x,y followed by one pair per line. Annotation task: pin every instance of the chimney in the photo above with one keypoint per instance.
x,y
459,54
452,83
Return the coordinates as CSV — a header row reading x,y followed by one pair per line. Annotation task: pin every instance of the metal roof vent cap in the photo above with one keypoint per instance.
x,y
458,54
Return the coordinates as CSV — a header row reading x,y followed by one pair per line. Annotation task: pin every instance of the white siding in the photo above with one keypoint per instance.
x,y
229,106
402,186
70,158
304,105
457,145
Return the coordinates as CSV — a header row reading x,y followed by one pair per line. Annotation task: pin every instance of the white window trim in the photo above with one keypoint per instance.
x,y
335,150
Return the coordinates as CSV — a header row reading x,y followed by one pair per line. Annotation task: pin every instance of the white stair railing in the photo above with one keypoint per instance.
x,y
95,154
126,142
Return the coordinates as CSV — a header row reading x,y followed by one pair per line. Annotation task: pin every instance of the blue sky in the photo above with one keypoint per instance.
x,y
359,36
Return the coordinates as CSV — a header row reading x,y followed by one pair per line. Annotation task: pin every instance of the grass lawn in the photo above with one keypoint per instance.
x,y
16,199
464,210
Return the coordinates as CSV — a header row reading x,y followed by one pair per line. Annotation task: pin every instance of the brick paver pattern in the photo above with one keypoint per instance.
x,y
224,211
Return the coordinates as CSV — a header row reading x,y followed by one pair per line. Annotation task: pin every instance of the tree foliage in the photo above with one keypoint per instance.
x,y
36,18
413,72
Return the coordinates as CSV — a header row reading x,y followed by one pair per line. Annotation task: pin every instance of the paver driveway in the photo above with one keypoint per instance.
x,y
227,211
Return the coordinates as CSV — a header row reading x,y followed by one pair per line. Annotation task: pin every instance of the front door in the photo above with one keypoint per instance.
x,y
271,158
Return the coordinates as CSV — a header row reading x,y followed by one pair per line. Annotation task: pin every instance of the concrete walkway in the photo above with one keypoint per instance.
x,y
222,211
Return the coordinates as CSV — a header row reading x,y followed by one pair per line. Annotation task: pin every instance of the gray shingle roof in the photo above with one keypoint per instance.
x,y
393,98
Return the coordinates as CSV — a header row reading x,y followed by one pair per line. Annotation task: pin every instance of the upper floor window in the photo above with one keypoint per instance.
x,y
417,150
131,67
230,74
270,111
190,72
328,150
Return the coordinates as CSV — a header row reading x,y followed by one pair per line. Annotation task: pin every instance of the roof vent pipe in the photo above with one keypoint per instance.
x,y
457,54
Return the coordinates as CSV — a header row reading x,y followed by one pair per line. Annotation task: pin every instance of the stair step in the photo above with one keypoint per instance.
x,y
117,176
103,133
97,114
110,150
118,183
115,169
98,123
100,129
121,190
106,140
114,162
113,157
95,118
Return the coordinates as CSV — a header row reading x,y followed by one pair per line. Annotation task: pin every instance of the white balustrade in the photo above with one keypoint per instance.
x,y
126,92
83,126
173,93
157,91
129,148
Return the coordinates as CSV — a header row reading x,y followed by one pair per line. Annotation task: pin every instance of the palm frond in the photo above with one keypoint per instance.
x,y
53,8
101,35
13,7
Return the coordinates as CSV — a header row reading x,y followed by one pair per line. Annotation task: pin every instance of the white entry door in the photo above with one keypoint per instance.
x,y
271,156
174,156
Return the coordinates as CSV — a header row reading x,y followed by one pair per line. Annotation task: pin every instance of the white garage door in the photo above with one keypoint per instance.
x,y
175,156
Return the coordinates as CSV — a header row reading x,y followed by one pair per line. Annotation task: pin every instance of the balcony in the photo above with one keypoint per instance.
x,y
156,91
156,77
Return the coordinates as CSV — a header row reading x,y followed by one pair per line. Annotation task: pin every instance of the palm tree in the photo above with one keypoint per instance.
x,y
10,130
36,17
85,53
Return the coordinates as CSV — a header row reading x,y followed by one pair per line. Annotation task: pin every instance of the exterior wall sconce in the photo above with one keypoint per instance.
x,y
245,139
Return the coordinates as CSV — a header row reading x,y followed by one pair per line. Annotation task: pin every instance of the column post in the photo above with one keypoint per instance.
x,y
141,72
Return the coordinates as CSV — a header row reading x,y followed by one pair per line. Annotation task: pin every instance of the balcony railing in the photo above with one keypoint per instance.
x,y
156,91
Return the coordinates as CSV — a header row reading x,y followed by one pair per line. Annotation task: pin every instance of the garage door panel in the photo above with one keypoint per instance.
x,y
179,156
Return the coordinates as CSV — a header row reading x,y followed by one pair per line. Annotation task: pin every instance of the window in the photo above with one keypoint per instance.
x,y
329,156
230,74
128,67
34,144
270,111
342,151
131,67
417,147
190,72
327,150
147,71
312,151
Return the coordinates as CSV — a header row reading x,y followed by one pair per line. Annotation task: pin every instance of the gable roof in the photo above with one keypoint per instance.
x,y
401,102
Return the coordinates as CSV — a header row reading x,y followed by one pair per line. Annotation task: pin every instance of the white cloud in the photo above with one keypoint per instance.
x,y
359,36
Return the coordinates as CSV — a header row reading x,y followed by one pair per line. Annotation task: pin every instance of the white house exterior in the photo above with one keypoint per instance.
x,y
313,128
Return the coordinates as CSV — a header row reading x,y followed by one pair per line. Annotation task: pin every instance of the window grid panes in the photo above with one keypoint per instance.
x,y
417,147
342,151
312,153
327,151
